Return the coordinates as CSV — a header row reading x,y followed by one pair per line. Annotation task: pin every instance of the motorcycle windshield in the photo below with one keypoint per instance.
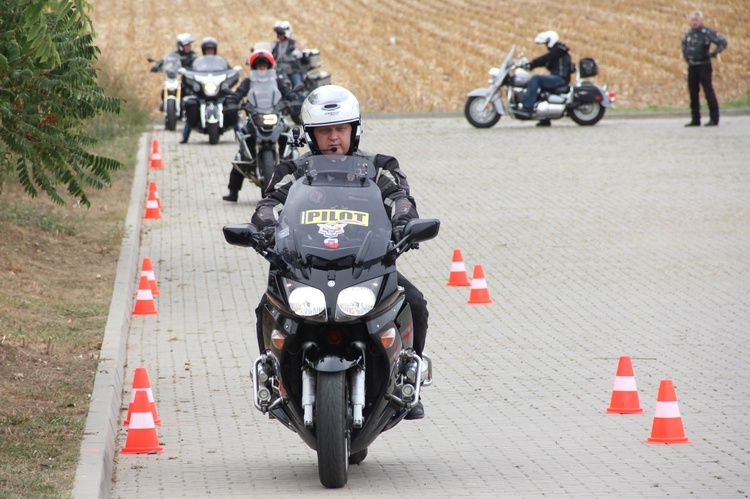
x,y
171,64
210,64
264,93
334,216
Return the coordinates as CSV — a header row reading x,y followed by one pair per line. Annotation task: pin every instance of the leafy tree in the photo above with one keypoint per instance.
x,y
48,88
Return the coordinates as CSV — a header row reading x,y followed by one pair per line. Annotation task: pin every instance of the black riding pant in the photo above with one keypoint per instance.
x,y
700,76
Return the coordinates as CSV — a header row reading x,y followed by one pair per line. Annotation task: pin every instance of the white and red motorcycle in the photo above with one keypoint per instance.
x,y
585,102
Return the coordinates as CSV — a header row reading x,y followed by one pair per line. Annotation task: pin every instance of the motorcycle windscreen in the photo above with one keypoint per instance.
x,y
334,216
171,64
264,93
210,63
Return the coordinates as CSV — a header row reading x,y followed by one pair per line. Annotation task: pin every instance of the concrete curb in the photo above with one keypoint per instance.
x,y
95,466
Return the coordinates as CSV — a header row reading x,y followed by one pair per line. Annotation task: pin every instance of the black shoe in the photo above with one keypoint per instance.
x,y
416,412
232,196
712,123
694,123
183,141
544,123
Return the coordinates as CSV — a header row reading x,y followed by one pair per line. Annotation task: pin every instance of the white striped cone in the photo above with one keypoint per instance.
x,y
142,437
624,393
667,427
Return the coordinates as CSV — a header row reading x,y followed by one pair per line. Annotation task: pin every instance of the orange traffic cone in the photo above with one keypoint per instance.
x,y
479,292
142,383
147,269
152,209
152,187
458,275
142,437
156,161
624,392
667,427
144,300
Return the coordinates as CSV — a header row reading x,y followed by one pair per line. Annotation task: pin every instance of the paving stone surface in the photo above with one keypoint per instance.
x,y
631,237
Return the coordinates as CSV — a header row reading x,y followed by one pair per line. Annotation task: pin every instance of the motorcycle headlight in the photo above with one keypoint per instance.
x,y
171,84
356,301
210,89
270,119
305,300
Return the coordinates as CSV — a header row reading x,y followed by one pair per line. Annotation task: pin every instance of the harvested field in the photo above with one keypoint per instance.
x,y
419,56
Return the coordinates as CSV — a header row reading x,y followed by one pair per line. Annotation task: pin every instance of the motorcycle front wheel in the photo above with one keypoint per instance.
x,y
170,119
212,129
331,429
479,115
267,165
587,114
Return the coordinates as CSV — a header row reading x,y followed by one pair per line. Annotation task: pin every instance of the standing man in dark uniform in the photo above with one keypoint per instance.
x,y
696,45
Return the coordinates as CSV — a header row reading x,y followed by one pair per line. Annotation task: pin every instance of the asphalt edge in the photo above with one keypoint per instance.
x,y
96,463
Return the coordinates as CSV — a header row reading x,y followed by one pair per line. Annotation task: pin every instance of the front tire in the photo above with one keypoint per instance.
x,y
213,133
588,114
170,120
479,115
267,165
332,431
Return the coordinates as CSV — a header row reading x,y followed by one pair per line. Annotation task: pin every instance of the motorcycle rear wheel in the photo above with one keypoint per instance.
x,y
170,119
212,129
588,114
331,429
267,165
480,116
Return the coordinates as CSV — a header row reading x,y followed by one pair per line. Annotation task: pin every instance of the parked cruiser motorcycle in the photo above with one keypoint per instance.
x,y
212,107
584,102
171,96
265,138
339,368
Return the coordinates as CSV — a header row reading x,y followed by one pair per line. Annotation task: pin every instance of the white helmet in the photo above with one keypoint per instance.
x,y
548,37
283,28
184,39
331,105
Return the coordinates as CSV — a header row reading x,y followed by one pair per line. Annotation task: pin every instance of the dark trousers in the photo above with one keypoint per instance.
x,y
701,76
414,297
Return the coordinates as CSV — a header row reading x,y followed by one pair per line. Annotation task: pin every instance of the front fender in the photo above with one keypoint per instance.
x,y
333,364
484,92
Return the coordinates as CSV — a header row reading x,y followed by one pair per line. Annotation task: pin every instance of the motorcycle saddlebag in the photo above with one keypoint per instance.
x,y
586,93
310,58
318,79
192,112
231,110
588,67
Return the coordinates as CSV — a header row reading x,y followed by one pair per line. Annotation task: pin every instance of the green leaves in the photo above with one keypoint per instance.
x,y
48,88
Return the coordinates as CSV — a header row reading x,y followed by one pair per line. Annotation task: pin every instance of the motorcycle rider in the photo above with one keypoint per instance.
x,y
184,52
209,46
557,60
287,50
261,60
338,131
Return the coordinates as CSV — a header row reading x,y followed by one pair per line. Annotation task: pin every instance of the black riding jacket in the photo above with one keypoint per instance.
x,y
557,60
391,180
697,43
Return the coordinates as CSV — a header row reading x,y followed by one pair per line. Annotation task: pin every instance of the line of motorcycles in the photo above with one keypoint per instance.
x,y
203,97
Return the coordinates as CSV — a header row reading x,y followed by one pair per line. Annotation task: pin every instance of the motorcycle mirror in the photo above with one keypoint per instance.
x,y
422,229
151,59
295,133
241,235
237,68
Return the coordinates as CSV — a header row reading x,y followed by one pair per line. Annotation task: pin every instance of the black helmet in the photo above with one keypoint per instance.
x,y
209,43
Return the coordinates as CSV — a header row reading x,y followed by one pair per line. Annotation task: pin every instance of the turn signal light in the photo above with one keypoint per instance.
x,y
388,337
278,338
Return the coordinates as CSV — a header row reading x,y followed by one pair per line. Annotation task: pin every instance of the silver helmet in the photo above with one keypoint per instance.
x,y
331,105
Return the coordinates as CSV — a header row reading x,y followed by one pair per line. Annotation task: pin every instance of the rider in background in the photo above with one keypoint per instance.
x,y
557,60
332,124
209,46
184,52
261,60
288,52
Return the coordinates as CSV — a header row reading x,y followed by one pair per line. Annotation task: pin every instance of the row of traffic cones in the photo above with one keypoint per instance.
x,y
142,418
667,425
479,292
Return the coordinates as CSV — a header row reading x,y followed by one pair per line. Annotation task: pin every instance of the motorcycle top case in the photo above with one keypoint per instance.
x,y
310,58
319,78
586,93
588,67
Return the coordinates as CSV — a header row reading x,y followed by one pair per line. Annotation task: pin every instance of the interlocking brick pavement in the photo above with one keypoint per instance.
x,y
631,237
